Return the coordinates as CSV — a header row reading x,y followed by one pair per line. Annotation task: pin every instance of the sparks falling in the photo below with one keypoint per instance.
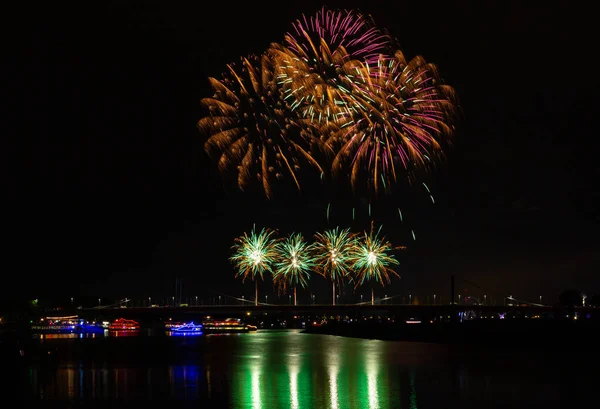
x,y
293,263
332,252
254,255
373,260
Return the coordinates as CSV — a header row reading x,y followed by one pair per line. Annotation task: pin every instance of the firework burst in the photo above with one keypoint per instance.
x,y
249,129
254,255
315,63
407,114
294,263
335,95
372,260
323,34
332,253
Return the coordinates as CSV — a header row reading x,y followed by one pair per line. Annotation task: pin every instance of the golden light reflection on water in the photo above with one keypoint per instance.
x,y
209,384
71,387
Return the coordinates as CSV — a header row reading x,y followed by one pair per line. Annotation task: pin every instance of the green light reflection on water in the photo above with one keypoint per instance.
x,y
413,391
333,382
294,369
284,377
256,392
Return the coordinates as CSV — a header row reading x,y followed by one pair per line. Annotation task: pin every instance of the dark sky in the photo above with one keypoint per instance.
x,y
111,193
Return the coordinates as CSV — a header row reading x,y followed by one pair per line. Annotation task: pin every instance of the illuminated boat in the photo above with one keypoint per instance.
x,y
173,324
67,324
123,324
228,325
188,328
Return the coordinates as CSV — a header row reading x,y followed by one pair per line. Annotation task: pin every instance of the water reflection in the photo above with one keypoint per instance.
x,y
413,391
185,381
313,379
294,369
287,369
372,388
73,335
256,393
333,371
124,333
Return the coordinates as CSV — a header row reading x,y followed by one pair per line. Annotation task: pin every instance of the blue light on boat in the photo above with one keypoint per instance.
x,y
187,329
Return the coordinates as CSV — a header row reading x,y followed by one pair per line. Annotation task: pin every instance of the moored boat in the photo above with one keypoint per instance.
x,y
122,324
67,324
169,325
188,328
228,325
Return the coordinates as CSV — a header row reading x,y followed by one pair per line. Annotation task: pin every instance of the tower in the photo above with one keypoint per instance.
x,y
178,291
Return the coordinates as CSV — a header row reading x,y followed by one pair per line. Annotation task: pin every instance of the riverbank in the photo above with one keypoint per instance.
x,y
499,332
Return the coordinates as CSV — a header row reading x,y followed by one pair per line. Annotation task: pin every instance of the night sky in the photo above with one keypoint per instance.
x,y
111,193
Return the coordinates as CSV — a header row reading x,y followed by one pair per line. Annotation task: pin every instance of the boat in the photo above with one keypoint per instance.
x,y
67,324
122,324
188,328
228,325
173,324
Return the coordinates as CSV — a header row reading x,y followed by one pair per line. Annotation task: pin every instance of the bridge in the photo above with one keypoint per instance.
x,y
398,311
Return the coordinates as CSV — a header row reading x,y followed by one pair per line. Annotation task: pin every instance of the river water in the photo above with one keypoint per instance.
x,y
288,369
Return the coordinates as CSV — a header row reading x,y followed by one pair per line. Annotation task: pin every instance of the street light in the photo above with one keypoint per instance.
x,y
98,301
434,298
219,300
485,298
290,298
540,299
149,301
196,301
410,298
71,300
266,299
173,298
361,298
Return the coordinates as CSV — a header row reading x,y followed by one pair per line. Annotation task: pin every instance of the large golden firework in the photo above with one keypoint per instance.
x,y
250,130
332,98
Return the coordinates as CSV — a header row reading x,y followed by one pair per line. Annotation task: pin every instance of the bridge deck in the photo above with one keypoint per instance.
x,y
333,309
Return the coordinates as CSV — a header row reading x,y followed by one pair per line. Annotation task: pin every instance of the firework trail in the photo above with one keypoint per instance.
x,y
332,252
293,263
254,255
249,128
